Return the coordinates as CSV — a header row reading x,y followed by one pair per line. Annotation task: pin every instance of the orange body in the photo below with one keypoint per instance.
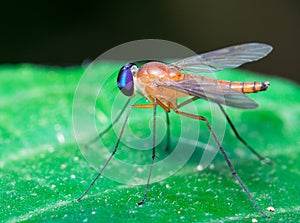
x,y
154,72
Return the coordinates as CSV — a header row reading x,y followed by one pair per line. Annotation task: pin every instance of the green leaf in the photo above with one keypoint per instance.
x,y
42,171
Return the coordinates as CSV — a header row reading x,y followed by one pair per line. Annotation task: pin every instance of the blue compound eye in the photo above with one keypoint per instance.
x,y
125,79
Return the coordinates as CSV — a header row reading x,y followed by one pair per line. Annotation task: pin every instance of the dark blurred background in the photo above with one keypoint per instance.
x,y
69,32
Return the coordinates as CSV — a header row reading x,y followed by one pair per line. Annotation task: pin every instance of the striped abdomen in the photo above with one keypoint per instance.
x,y
246,87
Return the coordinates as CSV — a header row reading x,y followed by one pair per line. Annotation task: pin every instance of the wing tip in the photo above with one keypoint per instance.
x,y
267,48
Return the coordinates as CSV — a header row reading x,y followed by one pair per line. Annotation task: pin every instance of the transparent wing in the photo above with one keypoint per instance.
x,y
229,57
210,91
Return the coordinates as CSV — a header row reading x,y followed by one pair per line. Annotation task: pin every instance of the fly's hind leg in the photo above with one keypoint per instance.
x,y
263,159
201,118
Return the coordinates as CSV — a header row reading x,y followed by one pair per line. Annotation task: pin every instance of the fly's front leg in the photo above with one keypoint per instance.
x,y
109,127
116,146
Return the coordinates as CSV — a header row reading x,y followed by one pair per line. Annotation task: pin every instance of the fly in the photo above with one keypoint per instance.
x,y
163,84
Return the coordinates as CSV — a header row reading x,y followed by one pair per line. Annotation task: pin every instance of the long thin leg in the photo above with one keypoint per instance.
x,y
153,152
187,102
201,118
115,148
167,148
109,127
260,157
